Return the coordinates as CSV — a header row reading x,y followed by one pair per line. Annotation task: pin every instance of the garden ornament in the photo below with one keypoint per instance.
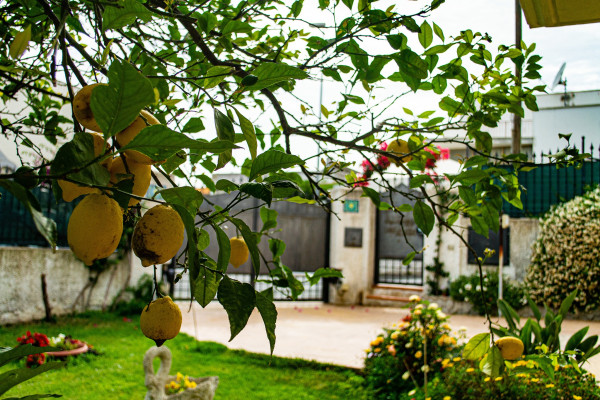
x,y
155,383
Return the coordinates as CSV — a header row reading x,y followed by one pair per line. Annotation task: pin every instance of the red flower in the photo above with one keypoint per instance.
x,y
383,146
383,161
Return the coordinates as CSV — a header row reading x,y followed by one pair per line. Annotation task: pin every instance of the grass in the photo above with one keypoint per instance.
x,y
117,373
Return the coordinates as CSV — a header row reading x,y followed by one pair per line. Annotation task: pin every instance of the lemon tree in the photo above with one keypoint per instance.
x,y
178,91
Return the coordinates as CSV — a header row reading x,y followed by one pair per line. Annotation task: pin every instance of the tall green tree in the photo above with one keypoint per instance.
x,y
221,75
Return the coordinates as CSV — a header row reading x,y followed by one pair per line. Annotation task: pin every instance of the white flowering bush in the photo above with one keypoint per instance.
x,y
566,254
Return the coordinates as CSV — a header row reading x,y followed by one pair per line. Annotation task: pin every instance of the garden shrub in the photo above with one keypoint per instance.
x,y
463,380
566,254
136,297
399,358
467,288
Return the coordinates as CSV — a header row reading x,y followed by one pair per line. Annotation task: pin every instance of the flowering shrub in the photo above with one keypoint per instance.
x,y
566,254
382,163
467,288
180,384
39,340
65,342
400,358
522,380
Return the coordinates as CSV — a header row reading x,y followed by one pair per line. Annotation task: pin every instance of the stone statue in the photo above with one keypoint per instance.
x,y
155,383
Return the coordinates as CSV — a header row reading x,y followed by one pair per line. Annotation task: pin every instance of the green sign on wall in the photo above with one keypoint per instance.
x,y
351,206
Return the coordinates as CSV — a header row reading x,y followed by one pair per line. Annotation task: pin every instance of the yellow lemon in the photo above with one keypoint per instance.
x,y
141,176
399,148
82,110
158,235
510,347
126,135
70,190
239,251
95,228
161,320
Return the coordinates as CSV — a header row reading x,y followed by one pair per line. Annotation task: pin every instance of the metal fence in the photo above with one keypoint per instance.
x,y
547,185
17,227
181,290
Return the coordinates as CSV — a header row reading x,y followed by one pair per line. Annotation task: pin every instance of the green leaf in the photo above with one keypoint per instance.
x,y
323,273
45,226
224,249
424,217
479,225
294,284
426,35
476,347
272,161
566,304
470,176
14,377
186,196
493,362
271,73
74,155
203,239
206,286
397,42
8,354
124,14
277,248
225,132
412,68
575,340
118,104
262,191
300,200
268,312
251,242
534,308
159,143
409,257
192,250
216,75
226,185
20,43
269,218
239,300
249,133
512,318
419,180
438,31
373,195
467,195
194,125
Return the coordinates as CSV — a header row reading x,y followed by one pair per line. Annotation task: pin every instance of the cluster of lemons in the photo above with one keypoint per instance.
x,y
96,224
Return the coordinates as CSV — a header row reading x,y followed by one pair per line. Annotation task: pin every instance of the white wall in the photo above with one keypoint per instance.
x,y
20,283
357,263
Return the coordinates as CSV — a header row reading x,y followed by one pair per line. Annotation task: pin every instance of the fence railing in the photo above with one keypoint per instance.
x,y
17,227
547,185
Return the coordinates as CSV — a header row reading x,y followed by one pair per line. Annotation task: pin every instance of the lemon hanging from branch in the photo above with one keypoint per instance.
x,y
161,320
158,235
510,347
400,148
239,251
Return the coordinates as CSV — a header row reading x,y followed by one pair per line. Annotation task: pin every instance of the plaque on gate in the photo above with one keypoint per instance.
x,y
353,237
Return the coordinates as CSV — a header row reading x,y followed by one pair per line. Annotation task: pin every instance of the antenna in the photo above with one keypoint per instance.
x,y
559,80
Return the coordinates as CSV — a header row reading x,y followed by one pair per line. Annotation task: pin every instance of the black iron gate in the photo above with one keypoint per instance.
x,y
303,227
397,236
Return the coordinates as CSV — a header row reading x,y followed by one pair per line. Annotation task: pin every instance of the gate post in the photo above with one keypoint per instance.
x,y
352,245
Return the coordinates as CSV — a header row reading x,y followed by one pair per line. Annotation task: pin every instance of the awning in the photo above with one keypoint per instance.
x,y
540,13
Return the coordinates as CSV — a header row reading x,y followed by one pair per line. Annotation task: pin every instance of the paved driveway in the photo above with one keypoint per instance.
x,y
327,333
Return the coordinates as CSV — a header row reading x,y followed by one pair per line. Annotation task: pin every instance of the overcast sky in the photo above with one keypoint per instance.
x,y
577,45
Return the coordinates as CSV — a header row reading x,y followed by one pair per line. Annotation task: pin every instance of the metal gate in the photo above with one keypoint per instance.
x,y
397,236
303,227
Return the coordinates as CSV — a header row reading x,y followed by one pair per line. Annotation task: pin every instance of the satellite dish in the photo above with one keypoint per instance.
x,y
558,80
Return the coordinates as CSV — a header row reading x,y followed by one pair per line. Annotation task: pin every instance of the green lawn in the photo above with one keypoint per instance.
x,y
117,373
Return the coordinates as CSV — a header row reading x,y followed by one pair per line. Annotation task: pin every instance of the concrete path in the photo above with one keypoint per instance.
x,y
327,333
